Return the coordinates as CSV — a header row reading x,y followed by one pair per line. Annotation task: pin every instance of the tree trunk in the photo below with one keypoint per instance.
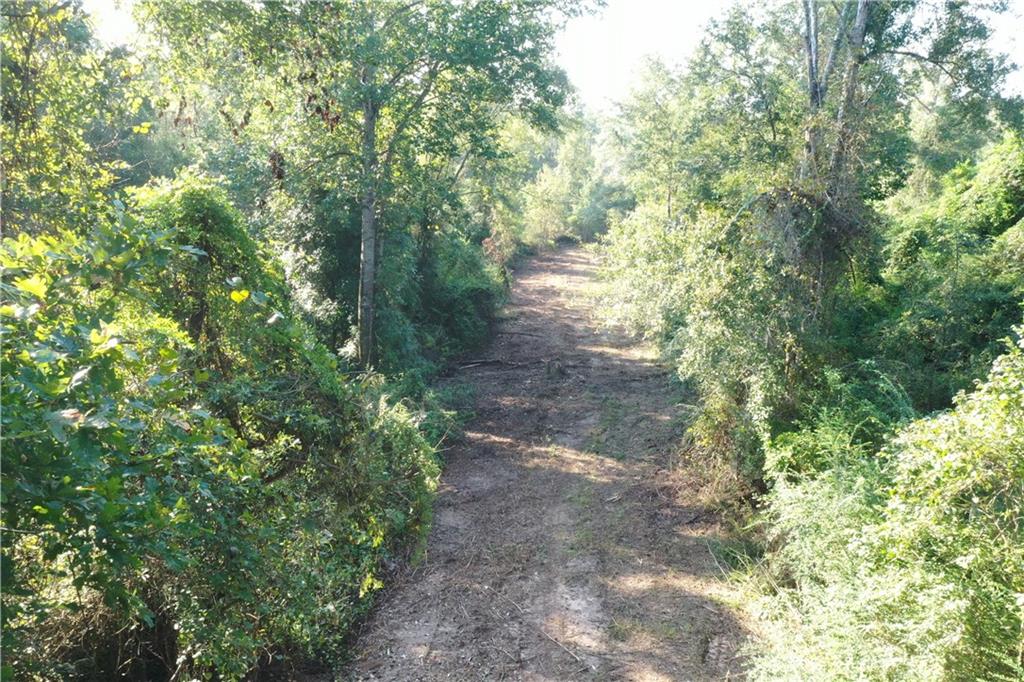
x,y
368,237
809,167
811,44
843,127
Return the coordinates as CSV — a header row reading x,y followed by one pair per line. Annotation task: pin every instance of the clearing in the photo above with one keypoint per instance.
x,y
564,545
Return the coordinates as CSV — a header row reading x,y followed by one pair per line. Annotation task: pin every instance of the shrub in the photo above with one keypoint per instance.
x,y
908,564
849,416
462,291
179,449
739,305
954,285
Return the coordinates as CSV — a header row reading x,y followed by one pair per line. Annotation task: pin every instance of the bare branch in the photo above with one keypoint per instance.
x,y
837,44
941,65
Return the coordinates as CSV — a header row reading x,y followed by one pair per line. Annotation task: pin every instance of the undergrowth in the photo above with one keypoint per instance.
x,y
182,456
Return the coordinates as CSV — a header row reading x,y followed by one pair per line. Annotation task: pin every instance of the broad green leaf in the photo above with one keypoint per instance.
x,y
34,285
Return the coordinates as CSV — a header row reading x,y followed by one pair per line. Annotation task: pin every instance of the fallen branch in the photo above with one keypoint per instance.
x,y
480,363
563,647
536,336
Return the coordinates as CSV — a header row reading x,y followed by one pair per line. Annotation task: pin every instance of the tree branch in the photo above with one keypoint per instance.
x,y
941,65
837,44
403,123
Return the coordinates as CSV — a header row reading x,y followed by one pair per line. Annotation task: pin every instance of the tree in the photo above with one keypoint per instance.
x,y
380,84
896,44
63,97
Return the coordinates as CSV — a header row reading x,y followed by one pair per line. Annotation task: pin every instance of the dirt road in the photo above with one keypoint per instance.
x,y
562,548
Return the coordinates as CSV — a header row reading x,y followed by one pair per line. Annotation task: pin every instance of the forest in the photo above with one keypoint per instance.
x,y
246,260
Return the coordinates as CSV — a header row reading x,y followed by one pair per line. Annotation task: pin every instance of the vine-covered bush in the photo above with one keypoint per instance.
x,y
908,563
817,341
737,304
953,279
181,456
743,305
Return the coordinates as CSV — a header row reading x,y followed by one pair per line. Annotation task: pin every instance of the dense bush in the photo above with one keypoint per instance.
x,y
742,306
737,303
952,277
895,545
908,564
181,456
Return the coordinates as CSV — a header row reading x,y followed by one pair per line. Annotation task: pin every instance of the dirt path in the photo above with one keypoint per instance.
x,y
560,548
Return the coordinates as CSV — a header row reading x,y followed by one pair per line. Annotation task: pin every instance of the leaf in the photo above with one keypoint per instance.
x,y
97,422
233,282
276,317
69,416
62,418
78,377
45,355
108,344
194,250
239,295
34,285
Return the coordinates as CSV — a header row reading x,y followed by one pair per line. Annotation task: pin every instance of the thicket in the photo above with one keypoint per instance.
x,y
181,456
840,285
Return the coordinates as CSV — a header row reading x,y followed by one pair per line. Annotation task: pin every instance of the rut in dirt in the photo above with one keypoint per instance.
x,y
562,547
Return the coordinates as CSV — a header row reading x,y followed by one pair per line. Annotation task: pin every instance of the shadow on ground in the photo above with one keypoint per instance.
x,y
559,549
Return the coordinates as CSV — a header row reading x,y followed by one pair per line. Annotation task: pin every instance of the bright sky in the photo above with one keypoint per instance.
x,y
603,52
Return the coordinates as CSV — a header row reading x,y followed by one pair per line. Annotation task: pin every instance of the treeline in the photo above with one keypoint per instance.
x,y
232,261
828,244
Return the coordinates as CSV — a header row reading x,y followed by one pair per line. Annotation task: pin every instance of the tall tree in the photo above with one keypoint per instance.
x,y
379,83
895,43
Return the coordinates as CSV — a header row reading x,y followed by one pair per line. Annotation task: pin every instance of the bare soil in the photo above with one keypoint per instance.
x,y
564,546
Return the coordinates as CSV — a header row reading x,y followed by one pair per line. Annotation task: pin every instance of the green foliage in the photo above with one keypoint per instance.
x,y
822,273
908,565
737,304
573,197
492,192
181,454
461,293
851,414
62,97
372,113
952,278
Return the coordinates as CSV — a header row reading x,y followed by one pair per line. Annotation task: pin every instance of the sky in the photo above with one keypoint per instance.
x,y
603,52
